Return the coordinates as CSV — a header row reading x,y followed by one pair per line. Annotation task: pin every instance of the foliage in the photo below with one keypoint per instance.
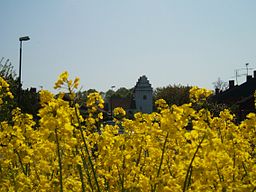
x,y
122,92
179,95
173,94
109,94
29,98
81,96
6,69
8,75
177,148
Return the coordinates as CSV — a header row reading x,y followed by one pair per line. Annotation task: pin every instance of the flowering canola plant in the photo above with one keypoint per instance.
x,y
177,148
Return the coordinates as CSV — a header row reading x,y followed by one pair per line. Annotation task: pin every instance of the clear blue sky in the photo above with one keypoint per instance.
x,y
109,42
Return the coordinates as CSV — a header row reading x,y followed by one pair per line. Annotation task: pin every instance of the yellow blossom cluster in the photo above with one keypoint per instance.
x,y
177,148
199,94
119,113
4,91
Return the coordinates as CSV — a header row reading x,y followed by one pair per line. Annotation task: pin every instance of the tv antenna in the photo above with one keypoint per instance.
x,y
242,72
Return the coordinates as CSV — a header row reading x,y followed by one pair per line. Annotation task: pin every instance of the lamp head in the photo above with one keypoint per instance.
x,y
26,38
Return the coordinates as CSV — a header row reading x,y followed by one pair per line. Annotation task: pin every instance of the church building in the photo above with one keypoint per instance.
x,y
143,95
140,101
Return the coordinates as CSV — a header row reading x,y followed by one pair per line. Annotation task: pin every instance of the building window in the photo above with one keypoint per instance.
x,y
144,97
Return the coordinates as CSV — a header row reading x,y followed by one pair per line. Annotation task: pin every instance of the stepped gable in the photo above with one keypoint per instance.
x,y
143,84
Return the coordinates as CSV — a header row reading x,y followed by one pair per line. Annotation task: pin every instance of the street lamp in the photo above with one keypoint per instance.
x,y
111,101
25,38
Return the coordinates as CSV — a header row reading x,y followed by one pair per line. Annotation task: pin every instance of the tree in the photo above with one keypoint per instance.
x,y
6,69
8,74
220,85
81,96
109,94
123,92
29,98
173,94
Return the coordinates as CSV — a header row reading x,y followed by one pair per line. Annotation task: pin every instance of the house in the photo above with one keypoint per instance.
x,y
240,96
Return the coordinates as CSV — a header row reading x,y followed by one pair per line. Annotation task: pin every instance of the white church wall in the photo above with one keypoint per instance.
x,y
143,95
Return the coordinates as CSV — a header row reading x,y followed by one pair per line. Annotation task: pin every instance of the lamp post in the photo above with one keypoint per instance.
x,y
111,101
247,71
25,38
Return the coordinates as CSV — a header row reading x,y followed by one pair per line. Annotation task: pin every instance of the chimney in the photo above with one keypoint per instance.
x,y
248,77
217,91
32,90
231,84
254,74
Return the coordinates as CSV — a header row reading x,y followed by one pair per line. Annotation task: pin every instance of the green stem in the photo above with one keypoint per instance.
x,y
123,167
137,162
20,161
87,150
81,177
14,181
79,167
59,159
162,157
245,174
218,170
86,147
186,182
190,176
220,135
161,160
120,179
36,172
87,171
169,167
106,184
